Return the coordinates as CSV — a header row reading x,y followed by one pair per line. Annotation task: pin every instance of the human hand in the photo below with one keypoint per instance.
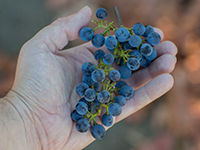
x,y
44,89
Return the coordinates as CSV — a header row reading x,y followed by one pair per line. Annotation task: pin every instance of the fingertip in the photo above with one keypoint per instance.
x,y
159,31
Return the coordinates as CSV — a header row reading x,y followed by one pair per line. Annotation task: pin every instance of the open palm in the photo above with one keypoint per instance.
x,y
46,81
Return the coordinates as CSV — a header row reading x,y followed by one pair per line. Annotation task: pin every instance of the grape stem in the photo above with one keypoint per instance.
x,y
118,17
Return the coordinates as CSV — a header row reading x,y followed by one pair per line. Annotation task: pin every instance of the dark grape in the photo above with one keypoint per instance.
x,y
114,75
145,62
86,34
90,95
88,80
114,109
125,72
99,54
146,49
121,100
80,89
133,63
111,42
108,59
122,34
148,29
139,29
126,91
81,108
107,120
119,84
101,13
76,116
88,68
135,53
153,38
127,46
98,40
96,86
152,56
98,132
82,125
103,97
98,75
135,40
83,100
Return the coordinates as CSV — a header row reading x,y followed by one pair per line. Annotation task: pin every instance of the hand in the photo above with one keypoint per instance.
x,y
46,80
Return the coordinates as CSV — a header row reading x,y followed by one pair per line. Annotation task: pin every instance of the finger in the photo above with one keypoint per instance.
x,y
166,47
56,36
159,31
145,95
163,64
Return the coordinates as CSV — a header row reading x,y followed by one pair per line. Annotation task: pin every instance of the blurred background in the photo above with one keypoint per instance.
x,y
170,123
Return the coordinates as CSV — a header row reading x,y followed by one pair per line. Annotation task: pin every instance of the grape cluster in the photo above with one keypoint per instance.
x,y
101,87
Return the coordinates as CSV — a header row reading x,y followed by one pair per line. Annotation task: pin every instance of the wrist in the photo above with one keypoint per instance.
x,y
17,128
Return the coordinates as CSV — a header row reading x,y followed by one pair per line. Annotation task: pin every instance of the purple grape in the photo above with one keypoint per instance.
x,y
98,40
107,120
126,91
122,34
135,41
82,125
133,63
139,29
153,38
146,49
88,68
86,33
114,75
98,132
101,13
152,56
125,72
108,59
121,100
114,109
103,97
88,80
111,42
81,108
76,116
90,95
135,53
80,89
98,54
98,75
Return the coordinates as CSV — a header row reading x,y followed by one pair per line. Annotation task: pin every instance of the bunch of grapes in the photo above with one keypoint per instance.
x,y
102,93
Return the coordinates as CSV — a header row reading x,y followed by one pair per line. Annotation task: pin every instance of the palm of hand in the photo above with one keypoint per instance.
x,y
46,81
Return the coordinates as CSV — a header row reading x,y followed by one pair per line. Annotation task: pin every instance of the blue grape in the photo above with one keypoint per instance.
x,y
148,29
139,29
101,13
111,42
108,59
98,40
88,68
103,97
119,84
76,116
133,63
121,100
125,72
107,120
80,89
111,50
146,49
152,56
96,102
90,95
135,53
83,100
135,40
145,62
98,75
114,75
98,54
122,34
127,46
81,108
96,86
98,132
126,91
153,38
114,109
86,33
88,80
82,125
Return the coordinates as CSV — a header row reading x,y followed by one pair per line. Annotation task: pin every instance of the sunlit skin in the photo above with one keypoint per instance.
x,y
44,91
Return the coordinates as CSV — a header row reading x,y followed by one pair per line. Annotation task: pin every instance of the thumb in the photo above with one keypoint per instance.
x,y
56,35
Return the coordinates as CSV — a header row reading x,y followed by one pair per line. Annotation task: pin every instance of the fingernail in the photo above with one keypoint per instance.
x,y
175,59
80,11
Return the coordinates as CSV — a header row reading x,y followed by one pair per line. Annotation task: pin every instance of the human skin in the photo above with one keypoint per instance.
x,y
35,114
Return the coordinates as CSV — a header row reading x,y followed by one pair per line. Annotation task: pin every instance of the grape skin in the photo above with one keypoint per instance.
x,y
107,120
75,116
88,68
81,108
122,34
111,42
80,89
139,29
146,49
98,54
148,29
101,13
90,95
135,53
126,91
125,72
135,41
108,59
114,109
152,56
98,132
144,62
133,63
153,38
82,125
103,97
88,80
121,100
114,75
98,40
98,75
86,34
